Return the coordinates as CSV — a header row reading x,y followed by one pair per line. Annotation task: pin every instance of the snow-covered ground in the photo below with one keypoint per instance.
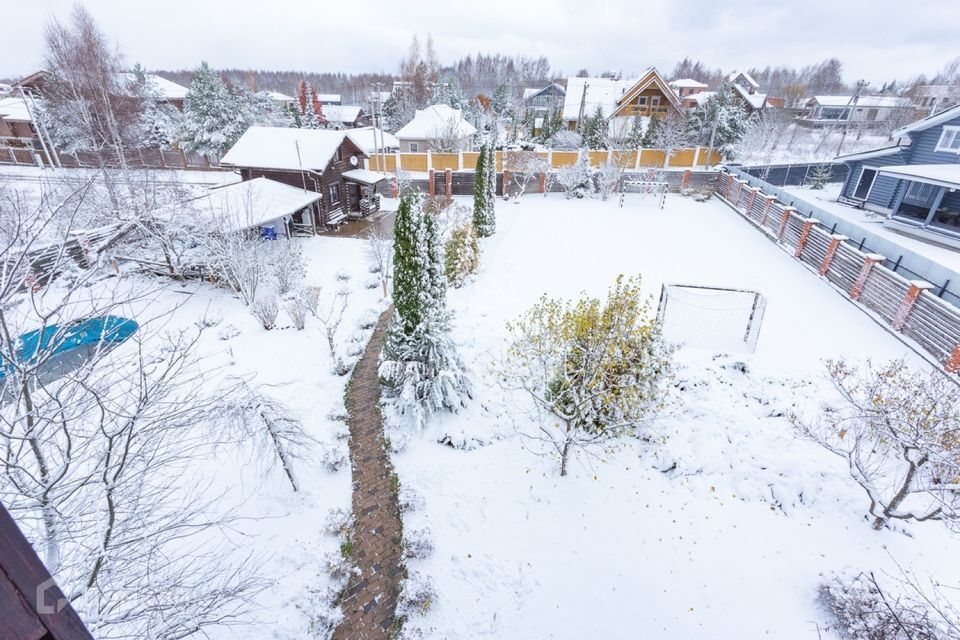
x,y
720,526
796,144
873,222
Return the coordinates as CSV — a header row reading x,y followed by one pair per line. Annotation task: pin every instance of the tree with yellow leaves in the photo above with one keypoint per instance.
x,y
595,369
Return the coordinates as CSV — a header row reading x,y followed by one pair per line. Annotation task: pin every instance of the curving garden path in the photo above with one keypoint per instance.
x,y
370,599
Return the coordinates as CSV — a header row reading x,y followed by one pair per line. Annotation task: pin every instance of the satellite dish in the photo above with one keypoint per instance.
x,y
353,160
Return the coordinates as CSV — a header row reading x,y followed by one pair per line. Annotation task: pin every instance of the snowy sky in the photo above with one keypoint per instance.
x,y
875,39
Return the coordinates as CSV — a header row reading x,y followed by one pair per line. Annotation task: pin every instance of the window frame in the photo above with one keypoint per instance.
x,y
414,147
334,188
941,148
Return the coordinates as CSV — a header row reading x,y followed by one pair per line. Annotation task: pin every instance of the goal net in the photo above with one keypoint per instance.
x,y
654,189
711,317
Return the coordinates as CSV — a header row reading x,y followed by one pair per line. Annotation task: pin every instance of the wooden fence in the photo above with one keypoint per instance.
x,y
686,158
134,159
909,307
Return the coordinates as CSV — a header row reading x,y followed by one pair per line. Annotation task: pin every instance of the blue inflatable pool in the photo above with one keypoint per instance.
x,y
64,347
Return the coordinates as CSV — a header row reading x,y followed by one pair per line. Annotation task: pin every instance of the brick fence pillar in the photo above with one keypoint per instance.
x,y
431,187
835,241
736,198
686,179
753,196
869,260
783,221
448,179
766,208
505,190
394,188
543,182
953,364
804,235
916,287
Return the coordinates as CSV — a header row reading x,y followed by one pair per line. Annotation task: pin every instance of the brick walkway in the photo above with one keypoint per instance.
x,y
370,600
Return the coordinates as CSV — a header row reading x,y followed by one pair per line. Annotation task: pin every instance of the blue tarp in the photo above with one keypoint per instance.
x,y
57,342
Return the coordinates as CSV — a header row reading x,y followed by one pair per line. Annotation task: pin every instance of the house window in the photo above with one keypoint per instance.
x,y
338,155
414,147
642,101
655,102
334,195
949,140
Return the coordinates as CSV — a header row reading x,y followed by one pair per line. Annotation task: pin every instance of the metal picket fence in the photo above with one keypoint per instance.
x,y
909,306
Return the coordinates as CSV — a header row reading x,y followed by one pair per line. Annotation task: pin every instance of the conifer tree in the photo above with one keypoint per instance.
x,y
636,135
490,195
420,366
480,189
650,135
210,122
595,130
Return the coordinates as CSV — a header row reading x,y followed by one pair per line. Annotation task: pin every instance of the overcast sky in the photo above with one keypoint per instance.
x,y
875,39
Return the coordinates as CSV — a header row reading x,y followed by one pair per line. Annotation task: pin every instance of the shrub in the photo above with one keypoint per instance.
x,y
577,179
265,310
462,253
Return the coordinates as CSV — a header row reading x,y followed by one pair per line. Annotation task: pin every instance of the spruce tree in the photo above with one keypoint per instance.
x,y
650,135
490,196
210,123
420,366
480,189
595,130
635,136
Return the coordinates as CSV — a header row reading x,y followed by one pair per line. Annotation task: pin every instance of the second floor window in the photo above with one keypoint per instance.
x,y
949,140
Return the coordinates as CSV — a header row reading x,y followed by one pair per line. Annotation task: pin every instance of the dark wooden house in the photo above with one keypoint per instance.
x,y
320,160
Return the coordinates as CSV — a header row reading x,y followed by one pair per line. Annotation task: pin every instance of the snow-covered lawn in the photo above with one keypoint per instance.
x,y
720,526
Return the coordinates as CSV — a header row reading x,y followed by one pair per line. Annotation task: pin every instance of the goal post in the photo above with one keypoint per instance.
x,y
707,317
656,188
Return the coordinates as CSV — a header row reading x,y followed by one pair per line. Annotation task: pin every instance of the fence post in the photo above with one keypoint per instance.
x,y
869,260
696,156
753,195
766,208
460,160
431,187
505,189
804,235
916,287
636,164
953,364
835,241
429,159
543,182
783,221
448,179
686,179
736,198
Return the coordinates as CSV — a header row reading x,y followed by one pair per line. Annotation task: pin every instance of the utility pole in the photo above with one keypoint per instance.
x,y
374,104
583,106
851,105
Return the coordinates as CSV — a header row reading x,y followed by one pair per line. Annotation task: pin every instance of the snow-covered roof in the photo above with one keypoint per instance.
x,y
365,176
248,204
280,97
755,100
341,113
862,101
687,83
746,77
701,98
944,175
167,89
433,122
602,92
930,121
284,149
872,153
363,138
14,108
529,92
328,97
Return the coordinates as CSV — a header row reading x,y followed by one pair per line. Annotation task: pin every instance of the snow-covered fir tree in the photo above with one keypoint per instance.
x,y
159,121
490,195
595,130
635,136
480,188
577,178
448,92
650,133
720,122
420,366
210,122
462,253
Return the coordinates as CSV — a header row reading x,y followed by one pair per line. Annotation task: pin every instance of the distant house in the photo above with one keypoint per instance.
x,y
16,124
438,125
916,182
318,160
345,116
168,91
931,98
328,98
619,100
687,87
282,98
545,100
829,110
370,141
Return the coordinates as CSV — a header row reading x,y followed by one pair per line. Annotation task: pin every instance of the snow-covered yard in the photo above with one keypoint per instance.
x,y
720,525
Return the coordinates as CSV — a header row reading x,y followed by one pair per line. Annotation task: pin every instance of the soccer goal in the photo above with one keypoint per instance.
x,y
658,190
711,317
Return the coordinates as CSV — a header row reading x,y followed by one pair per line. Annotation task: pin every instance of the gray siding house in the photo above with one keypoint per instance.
x,y
915,181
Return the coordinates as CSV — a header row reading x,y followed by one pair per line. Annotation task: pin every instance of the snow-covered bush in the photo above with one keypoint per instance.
x,y
577,178
596,368
485,192
265,310
338,522
420,366
608,177
240,259
380,257
565,140
417,595
288,266
819,176
462,253
417,544
297,307
865,608
311,296
331,319
899,432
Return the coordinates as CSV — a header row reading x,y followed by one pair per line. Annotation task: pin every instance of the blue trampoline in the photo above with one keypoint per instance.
x,y
66,347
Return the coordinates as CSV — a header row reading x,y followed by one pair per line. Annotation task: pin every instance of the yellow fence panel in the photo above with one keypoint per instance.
x,y
652,157
499,160
682,157
413,161
597,158
442,161
470,160
625,159
564,158
389,163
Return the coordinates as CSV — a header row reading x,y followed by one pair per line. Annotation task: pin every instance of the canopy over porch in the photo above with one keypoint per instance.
x,y
362,195
929,196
